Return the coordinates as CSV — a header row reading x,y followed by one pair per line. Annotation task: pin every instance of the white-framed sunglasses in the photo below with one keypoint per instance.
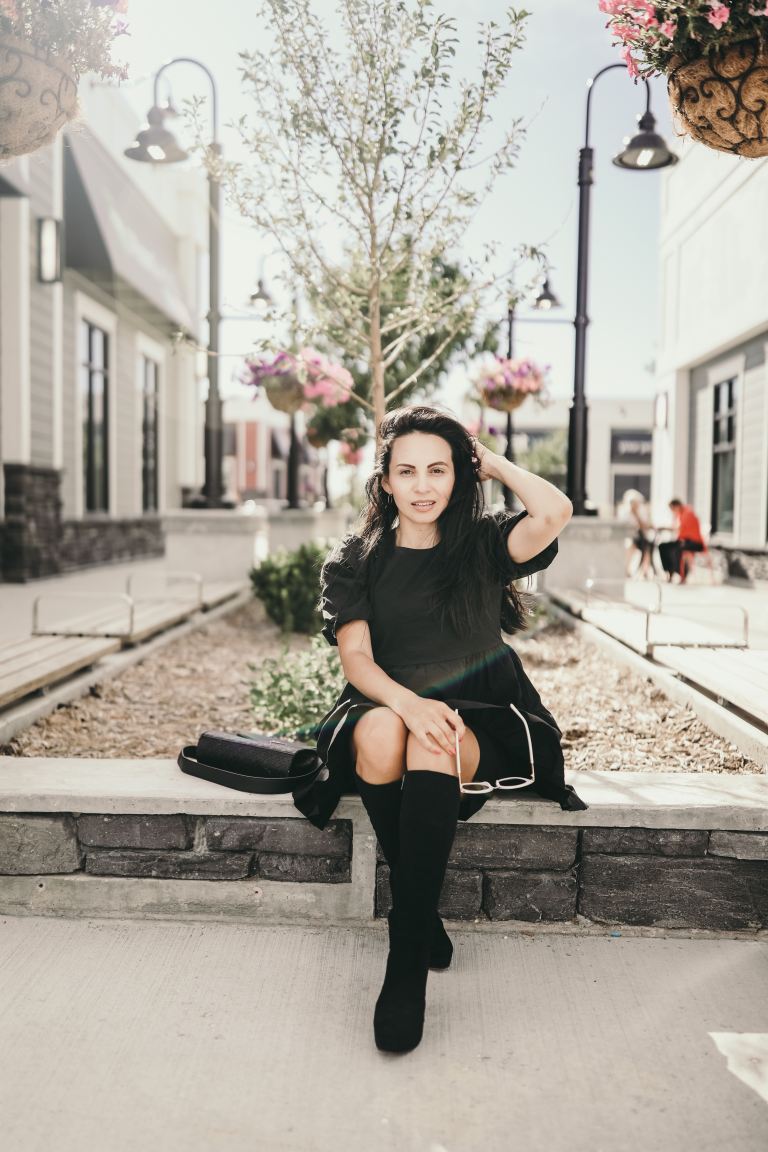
x,y
505,783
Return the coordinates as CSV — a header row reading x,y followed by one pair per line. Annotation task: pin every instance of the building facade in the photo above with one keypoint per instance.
x,y
100,414
711,434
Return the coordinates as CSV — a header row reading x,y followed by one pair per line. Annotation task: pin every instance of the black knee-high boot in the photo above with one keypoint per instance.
x,y
382,803
429,809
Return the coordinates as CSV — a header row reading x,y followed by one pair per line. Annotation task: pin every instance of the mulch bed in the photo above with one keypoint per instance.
x,y
612,718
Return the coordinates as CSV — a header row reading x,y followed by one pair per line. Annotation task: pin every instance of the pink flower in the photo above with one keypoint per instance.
x,y
668,29
613,7
630,62
718,15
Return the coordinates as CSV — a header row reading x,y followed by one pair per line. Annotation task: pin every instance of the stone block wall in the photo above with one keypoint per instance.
x,y
175,847
745,564
31,529
103,540
36,542
666,878
669,878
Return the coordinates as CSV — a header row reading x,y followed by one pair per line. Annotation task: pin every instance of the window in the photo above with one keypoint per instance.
x,y
94,390
724,456
149,433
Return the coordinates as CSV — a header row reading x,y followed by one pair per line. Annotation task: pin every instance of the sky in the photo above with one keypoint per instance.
x,y
535,203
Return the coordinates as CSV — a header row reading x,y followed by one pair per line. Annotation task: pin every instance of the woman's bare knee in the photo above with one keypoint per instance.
x,y
379,739
417,758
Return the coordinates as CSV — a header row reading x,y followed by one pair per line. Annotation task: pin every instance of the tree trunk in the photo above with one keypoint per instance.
x,y
377,360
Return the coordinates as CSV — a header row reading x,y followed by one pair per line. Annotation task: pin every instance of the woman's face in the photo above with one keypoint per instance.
x,y
420,477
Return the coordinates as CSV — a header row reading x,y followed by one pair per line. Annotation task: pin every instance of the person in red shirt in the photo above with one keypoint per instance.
x,y
689,539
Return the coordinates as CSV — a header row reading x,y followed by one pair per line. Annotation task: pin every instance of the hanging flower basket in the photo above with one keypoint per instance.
x,y
38,96
721,99
284,392
715,58
293,380
504,384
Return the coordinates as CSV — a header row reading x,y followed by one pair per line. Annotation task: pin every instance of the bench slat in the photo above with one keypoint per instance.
x,y
149,616
217,593
16,682
706,669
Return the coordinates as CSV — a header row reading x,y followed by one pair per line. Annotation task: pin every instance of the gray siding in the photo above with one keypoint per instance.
x,y
751,462
700,456
40,360
128,432
70,406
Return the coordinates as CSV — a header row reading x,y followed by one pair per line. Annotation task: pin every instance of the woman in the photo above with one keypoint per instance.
x,y
415,600
635,511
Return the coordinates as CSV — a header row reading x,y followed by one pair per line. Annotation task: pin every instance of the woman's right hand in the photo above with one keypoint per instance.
x,y
433,724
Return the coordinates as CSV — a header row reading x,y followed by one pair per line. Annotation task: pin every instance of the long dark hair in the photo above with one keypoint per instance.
x,y
469,541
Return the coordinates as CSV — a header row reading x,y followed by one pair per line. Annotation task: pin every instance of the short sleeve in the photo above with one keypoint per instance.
x,y
505,522
343,588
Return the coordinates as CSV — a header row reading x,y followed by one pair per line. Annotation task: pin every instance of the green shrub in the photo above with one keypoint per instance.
x,y
289,585
293,691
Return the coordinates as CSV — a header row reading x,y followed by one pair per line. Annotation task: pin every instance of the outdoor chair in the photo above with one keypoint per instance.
x,y
688,562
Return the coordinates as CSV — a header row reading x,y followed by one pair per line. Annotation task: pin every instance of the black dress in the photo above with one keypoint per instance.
x,y
476,672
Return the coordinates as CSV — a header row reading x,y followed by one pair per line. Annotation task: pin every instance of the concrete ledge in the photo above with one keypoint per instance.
x,y
673,851
616,799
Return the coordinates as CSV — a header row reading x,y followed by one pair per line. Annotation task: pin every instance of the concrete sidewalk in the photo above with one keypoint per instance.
x,y
199,1037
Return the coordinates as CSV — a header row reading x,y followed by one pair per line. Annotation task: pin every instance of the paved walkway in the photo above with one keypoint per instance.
x,y
129,1035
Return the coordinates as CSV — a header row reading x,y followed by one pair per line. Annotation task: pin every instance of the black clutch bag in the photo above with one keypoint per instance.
x,y
251,762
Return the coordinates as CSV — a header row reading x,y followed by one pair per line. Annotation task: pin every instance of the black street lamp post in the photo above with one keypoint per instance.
x,y
157,145
645,151
543,302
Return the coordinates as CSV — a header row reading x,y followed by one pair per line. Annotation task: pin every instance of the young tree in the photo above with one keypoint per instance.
x,y
364,176
424,356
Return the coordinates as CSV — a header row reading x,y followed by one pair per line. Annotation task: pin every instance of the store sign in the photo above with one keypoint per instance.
x,y
630,447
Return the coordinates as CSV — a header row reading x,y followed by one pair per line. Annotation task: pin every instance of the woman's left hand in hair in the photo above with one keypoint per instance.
x,y
485,460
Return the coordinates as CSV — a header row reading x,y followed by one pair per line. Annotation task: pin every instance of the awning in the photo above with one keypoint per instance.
x,y
114,236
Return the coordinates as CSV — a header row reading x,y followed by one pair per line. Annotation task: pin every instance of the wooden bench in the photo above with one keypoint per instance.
x,y
221,591
129,620
37,662
738,677
645,627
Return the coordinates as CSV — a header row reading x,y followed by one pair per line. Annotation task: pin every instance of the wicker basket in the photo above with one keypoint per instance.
x,y
285,393
38,96
505,402
721,99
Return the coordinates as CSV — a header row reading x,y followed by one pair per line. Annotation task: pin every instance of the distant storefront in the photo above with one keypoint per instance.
x,y
100,424
257,443
619,444
711,426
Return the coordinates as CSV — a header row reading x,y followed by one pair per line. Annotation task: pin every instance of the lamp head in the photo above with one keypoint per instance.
x,y
645,150
155,144
262,298
546,298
